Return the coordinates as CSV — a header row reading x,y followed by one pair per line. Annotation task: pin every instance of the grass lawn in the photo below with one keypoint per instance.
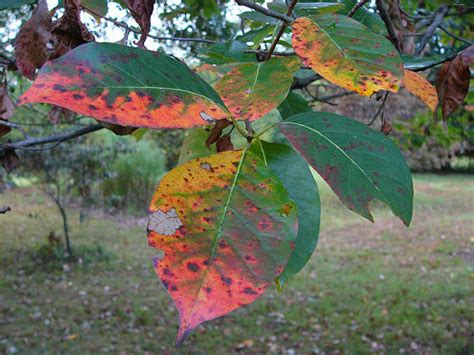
x,y
369,287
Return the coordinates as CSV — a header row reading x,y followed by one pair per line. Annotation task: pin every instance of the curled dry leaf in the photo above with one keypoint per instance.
x,y
420,87
6,108
117,129
141,11
10,160
453,81
347,53
226,236
58,114
216,131
224,143
34,41
69,31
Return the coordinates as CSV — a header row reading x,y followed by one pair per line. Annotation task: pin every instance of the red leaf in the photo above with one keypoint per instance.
x,y
69,31
141,11
31,44
453,81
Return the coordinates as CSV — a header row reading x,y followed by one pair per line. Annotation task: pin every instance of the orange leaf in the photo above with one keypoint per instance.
x,y
420,87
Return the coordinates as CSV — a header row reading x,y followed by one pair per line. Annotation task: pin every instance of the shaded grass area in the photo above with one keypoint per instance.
x,y
369,288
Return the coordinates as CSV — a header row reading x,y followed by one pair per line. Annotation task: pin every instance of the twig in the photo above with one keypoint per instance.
x,y
281,31
15,126
441,61
442,11
382,106
300,83
4,210
57,139
158,38
265,11
357,7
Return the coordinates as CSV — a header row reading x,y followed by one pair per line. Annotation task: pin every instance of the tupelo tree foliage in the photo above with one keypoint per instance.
x,y
239,214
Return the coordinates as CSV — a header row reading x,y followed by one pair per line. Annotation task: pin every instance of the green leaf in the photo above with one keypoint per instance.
x,y
258,17
346,53
256,36
358,163
229,52
98,6
413,63
227,228
194,145
293,104
306,8
372,20
13,4
294,173
127,86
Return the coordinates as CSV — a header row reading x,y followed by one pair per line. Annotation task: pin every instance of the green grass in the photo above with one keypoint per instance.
x,y
369,288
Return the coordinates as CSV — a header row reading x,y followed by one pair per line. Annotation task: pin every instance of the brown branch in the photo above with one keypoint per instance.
x,y
383,10
55,139
442,11
264,10
281,31
4,210
464,40
357,7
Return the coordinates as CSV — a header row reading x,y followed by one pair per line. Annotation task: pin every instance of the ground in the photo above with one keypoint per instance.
x,y
369,287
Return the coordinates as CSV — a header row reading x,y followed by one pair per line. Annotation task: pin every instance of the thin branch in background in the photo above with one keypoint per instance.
x,y
441,61
440,13
357,7
464,40
264,10
158,38
281,31
4,210
54,139
15,126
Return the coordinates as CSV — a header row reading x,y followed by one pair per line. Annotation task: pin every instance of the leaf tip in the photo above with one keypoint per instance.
x,y
183,334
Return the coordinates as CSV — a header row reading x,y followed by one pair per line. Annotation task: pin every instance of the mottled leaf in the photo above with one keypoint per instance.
x,y
292,105
194,145
127,86
33,44
347,53
213,73
420,87
226,226
69,31
141,11
453,81
358,163
294,173
251,90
